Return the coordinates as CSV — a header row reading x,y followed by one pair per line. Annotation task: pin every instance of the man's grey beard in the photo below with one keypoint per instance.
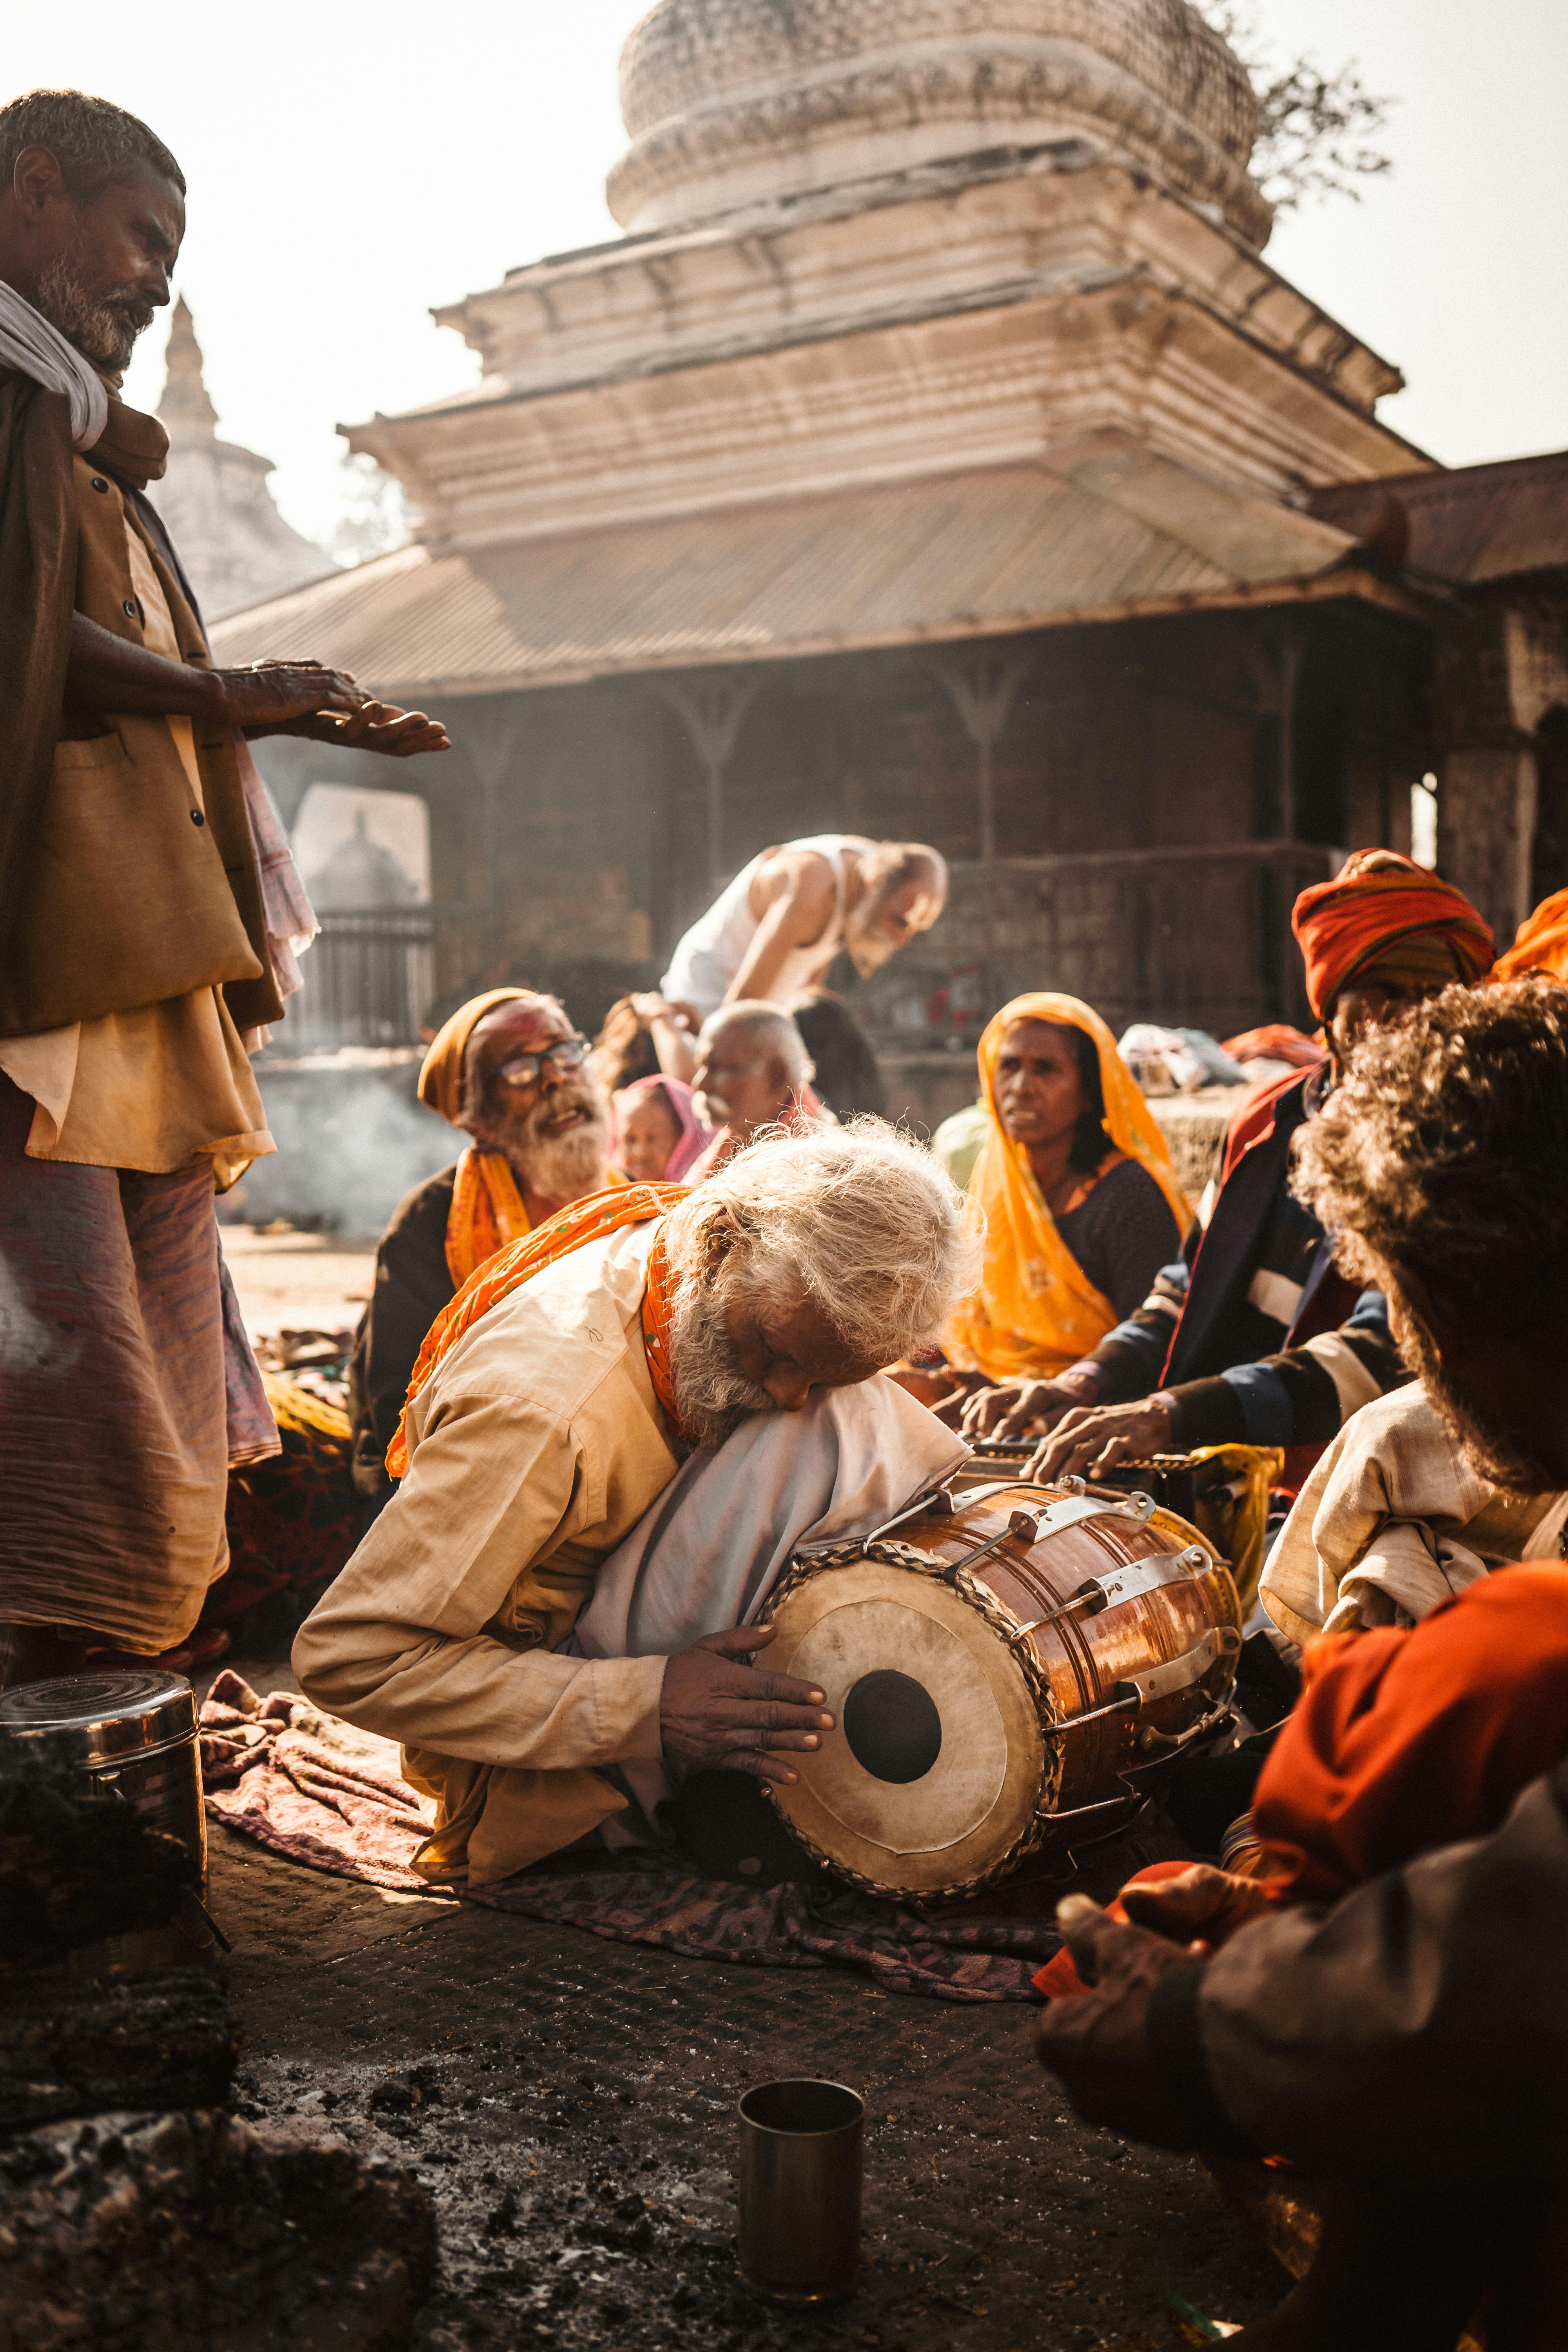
x,y
712,1398
1490,1450
557,1167
103,336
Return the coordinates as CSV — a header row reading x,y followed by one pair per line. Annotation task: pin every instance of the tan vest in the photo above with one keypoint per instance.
x,y
136,894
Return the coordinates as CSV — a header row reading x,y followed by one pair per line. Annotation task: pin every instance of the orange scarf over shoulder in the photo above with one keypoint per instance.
x,y
497,1277
486,1210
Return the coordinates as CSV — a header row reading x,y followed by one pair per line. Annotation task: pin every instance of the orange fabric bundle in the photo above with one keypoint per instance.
x,y
1541,946
1377,898
568,1230
1406,1740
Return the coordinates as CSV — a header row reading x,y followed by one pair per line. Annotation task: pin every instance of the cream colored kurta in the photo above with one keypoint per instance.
x,y
534,1448
1392,1521
166,1084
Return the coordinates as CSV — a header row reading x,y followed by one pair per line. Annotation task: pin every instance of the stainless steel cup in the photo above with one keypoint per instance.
x,y
800,2190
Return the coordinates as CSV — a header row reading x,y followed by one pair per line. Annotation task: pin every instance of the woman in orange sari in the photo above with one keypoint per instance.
x,y
1080,1201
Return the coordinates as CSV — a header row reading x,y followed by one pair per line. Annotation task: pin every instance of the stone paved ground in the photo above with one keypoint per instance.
x,y
569,2103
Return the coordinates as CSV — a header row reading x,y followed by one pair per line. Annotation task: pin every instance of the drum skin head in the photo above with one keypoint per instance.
x,y
912,1673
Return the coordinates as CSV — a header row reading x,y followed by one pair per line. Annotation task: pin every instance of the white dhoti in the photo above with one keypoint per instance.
x,y
710,1552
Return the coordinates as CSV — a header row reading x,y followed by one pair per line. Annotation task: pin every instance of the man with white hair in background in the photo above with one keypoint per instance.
x,y
752,1071
726,1338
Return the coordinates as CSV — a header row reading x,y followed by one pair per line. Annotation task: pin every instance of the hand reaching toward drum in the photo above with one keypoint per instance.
x,y
1203,1902
713,1710
1022,1408
1086,1441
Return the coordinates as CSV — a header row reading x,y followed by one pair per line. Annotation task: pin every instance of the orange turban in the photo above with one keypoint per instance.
x,y
441,1072
1541,945
1377,908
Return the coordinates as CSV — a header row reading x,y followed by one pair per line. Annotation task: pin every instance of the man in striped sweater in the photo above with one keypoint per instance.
x,y
1253,1336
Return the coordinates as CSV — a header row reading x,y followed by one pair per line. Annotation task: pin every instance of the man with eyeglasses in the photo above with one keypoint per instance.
x,y
510,1070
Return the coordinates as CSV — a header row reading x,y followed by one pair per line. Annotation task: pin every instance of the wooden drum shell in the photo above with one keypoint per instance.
x,y
1069,1672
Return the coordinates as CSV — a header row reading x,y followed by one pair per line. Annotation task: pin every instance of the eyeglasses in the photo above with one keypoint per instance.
x,y
523,1069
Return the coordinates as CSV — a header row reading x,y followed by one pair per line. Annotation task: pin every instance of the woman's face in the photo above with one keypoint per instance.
x,y
1040,1093
648,1132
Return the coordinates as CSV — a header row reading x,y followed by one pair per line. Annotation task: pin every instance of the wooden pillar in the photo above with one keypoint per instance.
x,y
983,682
712,709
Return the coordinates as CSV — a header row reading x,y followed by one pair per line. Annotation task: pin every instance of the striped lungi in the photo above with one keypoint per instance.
x,y
126,1387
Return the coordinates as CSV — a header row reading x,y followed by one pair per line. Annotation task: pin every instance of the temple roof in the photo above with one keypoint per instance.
x,y
1104,531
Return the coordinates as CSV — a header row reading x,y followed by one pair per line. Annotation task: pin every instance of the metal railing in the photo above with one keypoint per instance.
x,y
369,980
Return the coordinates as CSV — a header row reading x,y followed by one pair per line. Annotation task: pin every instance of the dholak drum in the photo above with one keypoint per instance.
x,y
1010,1666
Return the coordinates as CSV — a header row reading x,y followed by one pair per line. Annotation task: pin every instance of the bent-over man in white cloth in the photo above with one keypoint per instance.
x,y
771,935
558,1406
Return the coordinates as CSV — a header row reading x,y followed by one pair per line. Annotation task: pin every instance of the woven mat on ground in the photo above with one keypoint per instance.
x,y
966,1952
311,1788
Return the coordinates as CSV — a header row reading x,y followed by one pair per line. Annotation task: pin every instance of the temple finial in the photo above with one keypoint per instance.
x,y
185,407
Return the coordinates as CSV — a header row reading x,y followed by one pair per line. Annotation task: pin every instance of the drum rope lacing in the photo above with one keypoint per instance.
x,y
889,1554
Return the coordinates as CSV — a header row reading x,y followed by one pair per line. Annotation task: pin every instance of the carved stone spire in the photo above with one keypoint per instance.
x,y
185,408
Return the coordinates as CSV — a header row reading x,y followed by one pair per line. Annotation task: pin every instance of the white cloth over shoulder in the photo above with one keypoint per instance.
x,y
710,1550
30,344
1392,1521
707,959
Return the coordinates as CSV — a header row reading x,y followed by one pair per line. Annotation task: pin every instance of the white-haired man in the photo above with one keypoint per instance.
x,y
752,1071
553,1407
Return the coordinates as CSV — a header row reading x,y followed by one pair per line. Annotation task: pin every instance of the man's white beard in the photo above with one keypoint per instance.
x,y
712,1397
560,1167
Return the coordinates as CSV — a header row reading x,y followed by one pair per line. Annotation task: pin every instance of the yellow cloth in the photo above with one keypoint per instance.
x,y
167,1083
533,1449
1036,1311
487,1212
1231,1507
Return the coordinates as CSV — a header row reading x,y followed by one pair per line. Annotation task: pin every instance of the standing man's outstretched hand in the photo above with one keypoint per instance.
x,y
714,1710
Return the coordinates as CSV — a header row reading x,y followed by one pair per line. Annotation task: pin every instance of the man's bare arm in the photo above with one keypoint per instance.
x,y
106,673
797,917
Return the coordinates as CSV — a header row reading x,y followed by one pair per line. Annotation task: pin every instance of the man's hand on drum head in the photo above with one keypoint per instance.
x,y
1020,1408
1087,1442
713,1710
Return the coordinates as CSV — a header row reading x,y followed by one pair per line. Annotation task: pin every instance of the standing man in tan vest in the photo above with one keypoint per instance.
x,y
133,951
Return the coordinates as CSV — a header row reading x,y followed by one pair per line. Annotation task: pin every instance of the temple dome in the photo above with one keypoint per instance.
x,y
733,102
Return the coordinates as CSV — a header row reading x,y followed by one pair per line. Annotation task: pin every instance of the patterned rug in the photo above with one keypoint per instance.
x,y
310,1787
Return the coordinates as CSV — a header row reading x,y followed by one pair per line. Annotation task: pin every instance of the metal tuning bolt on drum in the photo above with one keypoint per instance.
x,y
801,2145
1013,1669
128,1737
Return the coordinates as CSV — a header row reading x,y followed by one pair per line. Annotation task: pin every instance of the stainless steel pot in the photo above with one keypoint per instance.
x,y
131,1736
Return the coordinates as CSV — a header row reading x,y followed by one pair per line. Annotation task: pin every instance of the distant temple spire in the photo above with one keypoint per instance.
x,y
185,406
214,496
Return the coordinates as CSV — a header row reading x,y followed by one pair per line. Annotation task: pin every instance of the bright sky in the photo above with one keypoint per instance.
x,y
351,164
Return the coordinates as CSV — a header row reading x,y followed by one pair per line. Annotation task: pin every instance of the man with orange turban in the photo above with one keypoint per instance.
x,y
1253,1336
510,1070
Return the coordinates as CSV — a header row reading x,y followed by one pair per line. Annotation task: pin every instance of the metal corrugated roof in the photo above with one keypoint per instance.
x,y
1105,530
1470,523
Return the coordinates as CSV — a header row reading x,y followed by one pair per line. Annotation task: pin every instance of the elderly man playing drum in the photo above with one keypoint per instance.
x,y
507,1618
